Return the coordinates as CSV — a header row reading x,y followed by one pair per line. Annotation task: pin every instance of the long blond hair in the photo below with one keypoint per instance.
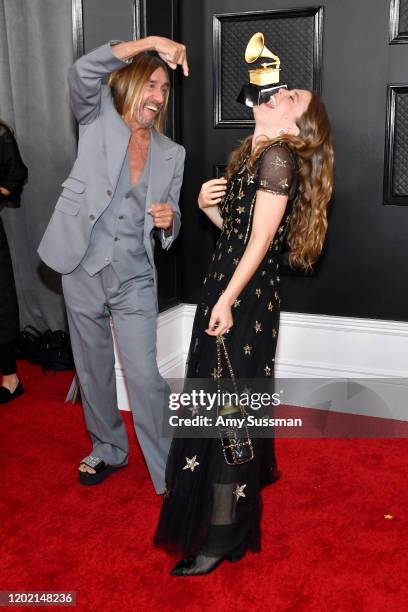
x,y
313,148
127,86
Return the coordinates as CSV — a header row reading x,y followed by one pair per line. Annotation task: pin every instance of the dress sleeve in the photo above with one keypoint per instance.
x,y
276,171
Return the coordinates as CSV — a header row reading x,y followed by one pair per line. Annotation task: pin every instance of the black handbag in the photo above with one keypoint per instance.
x,y
235,441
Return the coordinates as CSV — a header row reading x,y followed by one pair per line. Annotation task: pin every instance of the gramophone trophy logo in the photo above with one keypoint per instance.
x,y
264,80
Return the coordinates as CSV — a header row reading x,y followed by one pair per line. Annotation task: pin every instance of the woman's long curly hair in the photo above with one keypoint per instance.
x,y
313,148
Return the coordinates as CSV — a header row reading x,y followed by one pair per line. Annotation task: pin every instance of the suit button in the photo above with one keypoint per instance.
x,y
121,217
127,195
109,192
92,217
116,239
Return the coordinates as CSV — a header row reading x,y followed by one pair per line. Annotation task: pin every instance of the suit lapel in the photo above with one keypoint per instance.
x,y
116,137
161,156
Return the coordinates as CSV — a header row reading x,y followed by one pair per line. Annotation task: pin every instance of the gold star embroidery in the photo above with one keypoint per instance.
x,y
221,276
267,370
219,256
258,293
191,463
388,517
238,220
229,250
250,179
239,491
278,279
235,230
284,183
274,333
240,236
237,303
257,327
263,273
241,209
205,280
247,349
205,311
276,295
236,261
270,306
195,344
278,162
213,256
271,282
269,261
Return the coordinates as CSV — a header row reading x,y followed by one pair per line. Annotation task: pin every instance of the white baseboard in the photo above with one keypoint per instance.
x,y
309,346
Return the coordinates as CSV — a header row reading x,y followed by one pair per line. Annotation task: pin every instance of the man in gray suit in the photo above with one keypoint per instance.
x,y
122,190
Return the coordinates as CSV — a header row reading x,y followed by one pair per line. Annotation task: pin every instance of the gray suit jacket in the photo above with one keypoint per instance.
x,y
89,188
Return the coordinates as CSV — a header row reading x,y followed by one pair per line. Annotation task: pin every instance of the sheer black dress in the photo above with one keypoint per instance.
x,y
211,507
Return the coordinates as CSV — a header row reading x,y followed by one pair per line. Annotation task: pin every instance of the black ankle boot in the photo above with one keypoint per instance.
x,y
205,564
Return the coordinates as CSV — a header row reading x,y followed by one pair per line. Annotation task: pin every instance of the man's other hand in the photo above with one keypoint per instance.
x,y
162,215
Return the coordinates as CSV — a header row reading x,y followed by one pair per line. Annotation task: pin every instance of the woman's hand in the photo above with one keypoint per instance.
x,y
212,192
221,318
5,191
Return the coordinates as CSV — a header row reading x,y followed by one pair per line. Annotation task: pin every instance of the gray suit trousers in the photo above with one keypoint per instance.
x,y
90,302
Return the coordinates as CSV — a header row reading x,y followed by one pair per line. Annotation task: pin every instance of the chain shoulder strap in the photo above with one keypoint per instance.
x,y
221,342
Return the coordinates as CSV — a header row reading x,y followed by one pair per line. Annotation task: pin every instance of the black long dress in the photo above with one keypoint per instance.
x,y
215,507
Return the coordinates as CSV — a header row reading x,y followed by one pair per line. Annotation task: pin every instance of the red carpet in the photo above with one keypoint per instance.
x,y
327,546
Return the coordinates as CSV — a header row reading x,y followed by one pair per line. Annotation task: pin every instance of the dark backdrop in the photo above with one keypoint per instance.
x,y
364,271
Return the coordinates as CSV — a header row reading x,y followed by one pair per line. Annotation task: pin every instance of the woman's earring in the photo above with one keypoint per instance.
x,y
281,131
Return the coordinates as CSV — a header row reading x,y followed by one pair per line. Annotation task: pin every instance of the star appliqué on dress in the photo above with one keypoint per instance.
x,y
191,464
239,491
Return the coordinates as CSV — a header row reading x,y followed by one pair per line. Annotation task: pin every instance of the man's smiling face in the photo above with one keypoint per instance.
x,y
154,96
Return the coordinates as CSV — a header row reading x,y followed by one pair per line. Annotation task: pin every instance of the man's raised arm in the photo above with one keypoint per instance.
x,y
86,74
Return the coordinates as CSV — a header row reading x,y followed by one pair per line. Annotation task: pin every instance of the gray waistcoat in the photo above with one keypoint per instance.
x,y
117,236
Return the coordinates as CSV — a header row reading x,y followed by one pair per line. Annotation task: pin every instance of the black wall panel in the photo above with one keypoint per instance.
x,y
363,271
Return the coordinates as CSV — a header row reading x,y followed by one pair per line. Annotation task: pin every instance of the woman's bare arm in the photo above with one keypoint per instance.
x,y
210,196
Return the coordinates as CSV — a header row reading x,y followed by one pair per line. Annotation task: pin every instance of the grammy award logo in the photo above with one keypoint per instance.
x,y
264,79
266,73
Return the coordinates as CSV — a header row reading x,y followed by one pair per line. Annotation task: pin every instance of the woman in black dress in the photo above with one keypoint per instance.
x,y
279,186
13,173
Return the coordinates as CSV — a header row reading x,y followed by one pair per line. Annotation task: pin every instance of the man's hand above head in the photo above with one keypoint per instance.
x,y
162,215
171,52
